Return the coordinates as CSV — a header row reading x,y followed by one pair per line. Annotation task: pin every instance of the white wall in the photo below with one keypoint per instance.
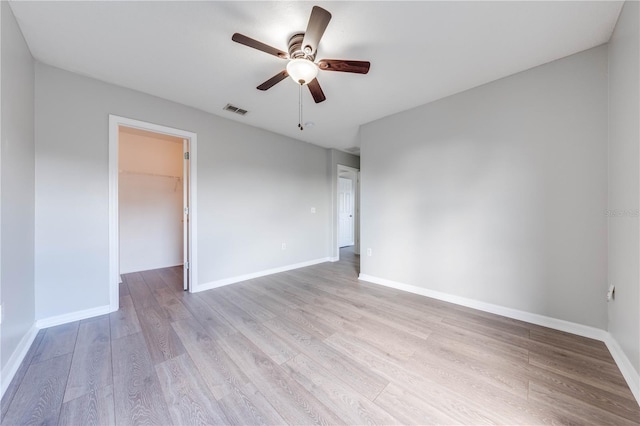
x,y
150,202
17,199
497,194
624,181
255,191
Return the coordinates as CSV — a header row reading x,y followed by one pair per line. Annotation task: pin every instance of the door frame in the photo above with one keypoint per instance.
x,y
115,122
356,191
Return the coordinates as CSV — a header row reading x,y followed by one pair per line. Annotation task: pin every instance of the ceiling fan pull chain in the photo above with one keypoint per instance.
x,y
300,108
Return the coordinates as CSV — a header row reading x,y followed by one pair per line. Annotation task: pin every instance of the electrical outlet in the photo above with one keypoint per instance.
x,y
284,246
313,210
369,252
611,292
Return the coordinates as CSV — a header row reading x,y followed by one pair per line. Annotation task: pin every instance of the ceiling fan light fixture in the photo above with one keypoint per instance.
x,y
302,71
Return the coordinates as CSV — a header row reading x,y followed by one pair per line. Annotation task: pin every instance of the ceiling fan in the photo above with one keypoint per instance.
x,y
302,53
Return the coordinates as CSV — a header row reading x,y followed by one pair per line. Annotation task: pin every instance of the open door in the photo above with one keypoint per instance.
x,y
185,221
346,212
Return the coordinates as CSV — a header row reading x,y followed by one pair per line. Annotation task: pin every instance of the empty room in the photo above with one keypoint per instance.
x,y
342,212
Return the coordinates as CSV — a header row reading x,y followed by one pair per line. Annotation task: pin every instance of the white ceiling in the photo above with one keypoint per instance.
x,y
419,52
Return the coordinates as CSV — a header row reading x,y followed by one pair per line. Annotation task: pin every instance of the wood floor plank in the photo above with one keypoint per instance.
x,y
352,373
623,406
124,321
173,308
162,341
588,370
141,295
541,349
19,376
508,375
265,292
294,403
58,340
123,289
588,414
94,408
272,285
153,279
354,407
494,347
247,406
581,345
91,364
219,371
215,324
437,398
137,392
306,321
387,338
409,408
255,310
171,279
187,396
497,323
132,277
39,397
272,345
453,394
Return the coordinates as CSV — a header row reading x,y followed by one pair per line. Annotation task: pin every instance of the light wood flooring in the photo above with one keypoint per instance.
x,y
313,345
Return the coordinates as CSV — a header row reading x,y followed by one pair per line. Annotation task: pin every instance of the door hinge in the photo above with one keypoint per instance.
x,y
186,265
186,210
186,155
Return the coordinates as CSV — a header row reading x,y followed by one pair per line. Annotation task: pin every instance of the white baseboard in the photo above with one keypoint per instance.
x,y
73,316
240,278
558,324
11,368
151,268
625,366
334,259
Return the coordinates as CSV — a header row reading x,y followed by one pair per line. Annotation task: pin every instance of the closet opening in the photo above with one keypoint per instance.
x,y
152,199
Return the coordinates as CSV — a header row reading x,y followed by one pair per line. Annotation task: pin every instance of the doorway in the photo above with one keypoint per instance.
x,y
348,208
152,200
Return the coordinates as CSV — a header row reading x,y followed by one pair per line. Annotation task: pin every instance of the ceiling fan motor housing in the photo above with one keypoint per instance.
x,y
297,51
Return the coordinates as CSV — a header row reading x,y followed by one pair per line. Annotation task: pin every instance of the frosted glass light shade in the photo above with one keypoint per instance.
x,y
302,71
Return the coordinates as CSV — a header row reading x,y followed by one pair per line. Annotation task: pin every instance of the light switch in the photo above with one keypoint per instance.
x,y
313,210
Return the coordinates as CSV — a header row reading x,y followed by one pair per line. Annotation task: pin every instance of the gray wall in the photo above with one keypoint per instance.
x,y
498,193
255,191
17,188
624,181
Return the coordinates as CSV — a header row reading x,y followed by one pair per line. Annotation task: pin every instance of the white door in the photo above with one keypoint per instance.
x,y
185,217
345,212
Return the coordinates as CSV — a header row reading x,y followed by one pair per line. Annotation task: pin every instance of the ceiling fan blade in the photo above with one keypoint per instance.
x,y
248,41
316,91
318,22
359,67
273,80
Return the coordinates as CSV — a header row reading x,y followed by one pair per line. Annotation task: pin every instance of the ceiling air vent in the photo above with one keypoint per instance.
x,y
229,107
